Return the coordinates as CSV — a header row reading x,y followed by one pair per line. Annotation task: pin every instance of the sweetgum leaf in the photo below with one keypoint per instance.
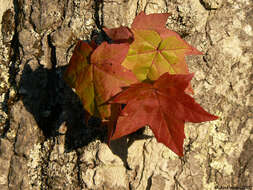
x,y
150,56
156,49
164,106
99,78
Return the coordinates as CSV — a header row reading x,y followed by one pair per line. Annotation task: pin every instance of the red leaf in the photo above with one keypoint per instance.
x,y
120,35
164,106
98,76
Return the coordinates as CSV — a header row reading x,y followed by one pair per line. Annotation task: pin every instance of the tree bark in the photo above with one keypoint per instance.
x,y
44,142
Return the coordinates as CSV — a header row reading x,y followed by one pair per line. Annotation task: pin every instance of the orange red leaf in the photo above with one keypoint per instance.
x,y
164,106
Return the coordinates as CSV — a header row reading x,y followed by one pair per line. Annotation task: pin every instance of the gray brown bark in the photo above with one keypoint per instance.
x,y
44,142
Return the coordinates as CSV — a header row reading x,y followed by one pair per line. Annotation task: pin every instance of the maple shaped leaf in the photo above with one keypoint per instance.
x,y
156,49
97,75
164,106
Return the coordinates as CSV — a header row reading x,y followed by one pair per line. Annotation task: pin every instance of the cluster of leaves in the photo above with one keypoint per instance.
x,y
139,79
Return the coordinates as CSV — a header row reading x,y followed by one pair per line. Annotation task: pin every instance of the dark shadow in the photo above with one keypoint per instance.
x,y
245,163
120,146
99,6
52,103
206,6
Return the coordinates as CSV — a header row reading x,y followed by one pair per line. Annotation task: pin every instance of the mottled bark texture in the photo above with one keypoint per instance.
x,y
44,142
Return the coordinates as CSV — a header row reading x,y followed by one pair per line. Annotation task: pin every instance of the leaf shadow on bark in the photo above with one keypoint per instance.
x,y
52,103
245,163
46,96
120,146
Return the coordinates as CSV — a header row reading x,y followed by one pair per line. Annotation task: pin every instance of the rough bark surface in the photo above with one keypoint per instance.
x,y
44,143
